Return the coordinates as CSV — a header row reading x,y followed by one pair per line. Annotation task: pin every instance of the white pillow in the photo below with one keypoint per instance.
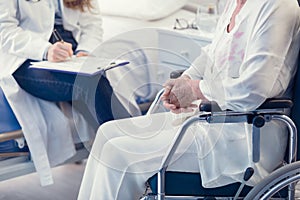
x,y
141,9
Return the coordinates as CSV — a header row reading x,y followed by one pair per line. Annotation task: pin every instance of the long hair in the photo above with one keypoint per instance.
x,y
78,4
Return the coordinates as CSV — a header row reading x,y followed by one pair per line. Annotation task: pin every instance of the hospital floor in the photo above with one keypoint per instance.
x,y
67,180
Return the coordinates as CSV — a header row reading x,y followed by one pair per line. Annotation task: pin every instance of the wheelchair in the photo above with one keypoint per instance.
x,y
280,184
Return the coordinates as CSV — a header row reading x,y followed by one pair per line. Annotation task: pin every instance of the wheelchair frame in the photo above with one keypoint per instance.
x,y
272,109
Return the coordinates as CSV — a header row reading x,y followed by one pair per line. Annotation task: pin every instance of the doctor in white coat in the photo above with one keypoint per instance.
x,y
252,57
25,30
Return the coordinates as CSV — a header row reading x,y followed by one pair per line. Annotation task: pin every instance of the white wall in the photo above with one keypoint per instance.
x,y
193,4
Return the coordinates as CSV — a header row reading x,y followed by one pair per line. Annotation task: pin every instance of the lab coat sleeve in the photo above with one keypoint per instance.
x,y
267,67
14,39
90,23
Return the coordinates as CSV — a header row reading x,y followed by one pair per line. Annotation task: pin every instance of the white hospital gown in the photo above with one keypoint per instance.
x,y
240,69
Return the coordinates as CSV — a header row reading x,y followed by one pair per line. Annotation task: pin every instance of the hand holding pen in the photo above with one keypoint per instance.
x,y
59,51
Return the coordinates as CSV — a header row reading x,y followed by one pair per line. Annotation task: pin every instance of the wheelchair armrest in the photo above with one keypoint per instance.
x,y
209,106
272,103
176,73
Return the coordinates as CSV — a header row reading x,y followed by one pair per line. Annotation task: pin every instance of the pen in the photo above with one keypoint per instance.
x,y
57,36
113,65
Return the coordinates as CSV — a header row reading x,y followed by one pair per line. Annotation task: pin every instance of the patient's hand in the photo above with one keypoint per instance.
x,y
180,93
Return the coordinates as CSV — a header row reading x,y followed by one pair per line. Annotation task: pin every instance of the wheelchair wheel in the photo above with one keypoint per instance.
x,y
278,181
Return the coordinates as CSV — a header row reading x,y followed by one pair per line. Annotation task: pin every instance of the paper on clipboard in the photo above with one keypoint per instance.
x,y
83,65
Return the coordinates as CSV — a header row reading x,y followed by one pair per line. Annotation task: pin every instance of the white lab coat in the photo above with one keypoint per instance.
x,y
265,39
25,28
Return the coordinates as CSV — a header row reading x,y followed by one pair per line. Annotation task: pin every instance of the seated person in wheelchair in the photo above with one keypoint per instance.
x,y
251,58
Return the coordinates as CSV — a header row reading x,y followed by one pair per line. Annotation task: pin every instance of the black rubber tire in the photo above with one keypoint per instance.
x,y
277,180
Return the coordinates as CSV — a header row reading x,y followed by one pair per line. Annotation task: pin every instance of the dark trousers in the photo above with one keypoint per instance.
x,y
92,95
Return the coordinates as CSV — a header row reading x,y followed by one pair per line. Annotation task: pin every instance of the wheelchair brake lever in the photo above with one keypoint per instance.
x,y
247,175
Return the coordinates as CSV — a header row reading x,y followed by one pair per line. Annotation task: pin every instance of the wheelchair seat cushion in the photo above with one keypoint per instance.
x,y
187,184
